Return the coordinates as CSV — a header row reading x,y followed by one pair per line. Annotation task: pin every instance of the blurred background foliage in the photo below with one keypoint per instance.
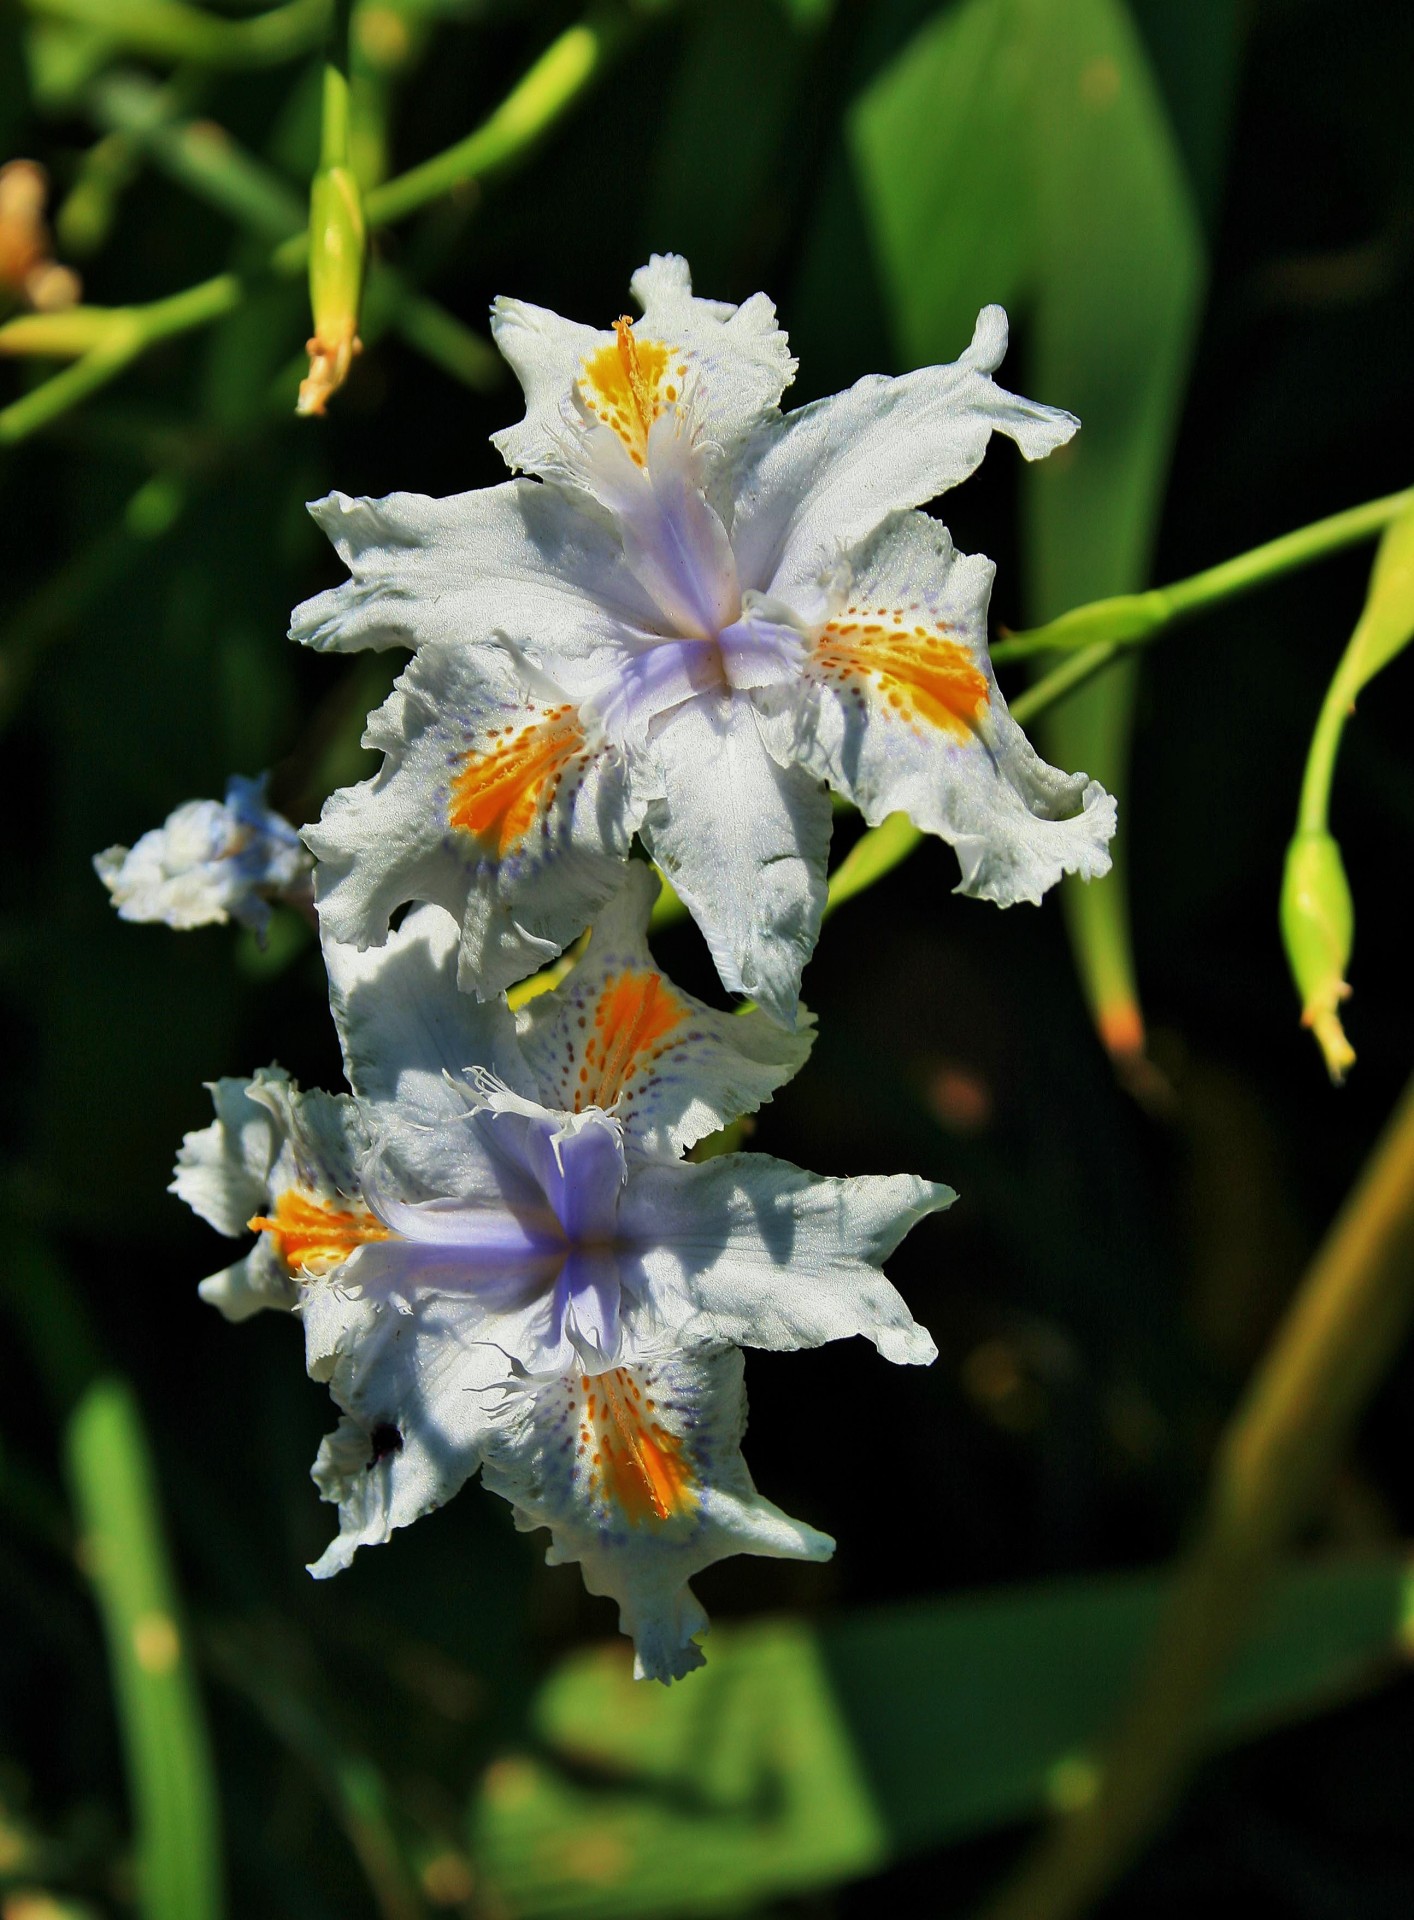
x,y
1201,215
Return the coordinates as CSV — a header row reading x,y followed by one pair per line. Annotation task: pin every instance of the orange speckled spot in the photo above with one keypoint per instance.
x,y
627,385
499,796
311,1237
636,1009
921,675
641,1468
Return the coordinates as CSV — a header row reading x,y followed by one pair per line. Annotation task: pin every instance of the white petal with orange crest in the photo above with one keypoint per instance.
x,y
639,1476
902,713
281,1164
617,1034
497,800
721,368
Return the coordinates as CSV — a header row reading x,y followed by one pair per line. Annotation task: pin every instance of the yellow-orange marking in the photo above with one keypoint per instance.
x,y
312,1237
498,796
635,1462
627,385
636,1009
921,675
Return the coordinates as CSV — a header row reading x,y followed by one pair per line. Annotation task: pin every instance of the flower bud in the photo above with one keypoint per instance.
x,y
1318,927
337,243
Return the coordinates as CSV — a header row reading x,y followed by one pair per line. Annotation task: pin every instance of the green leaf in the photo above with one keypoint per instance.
x,y
1018,150
169,1765
797,1759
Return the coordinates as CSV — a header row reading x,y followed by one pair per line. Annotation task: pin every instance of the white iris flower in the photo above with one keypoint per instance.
x,y
210,861
697,616
497,1238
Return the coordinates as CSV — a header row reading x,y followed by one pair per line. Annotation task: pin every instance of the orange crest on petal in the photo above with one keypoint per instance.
x,y
498,795
635,1465
917,673
627,384
313,1238
636,1010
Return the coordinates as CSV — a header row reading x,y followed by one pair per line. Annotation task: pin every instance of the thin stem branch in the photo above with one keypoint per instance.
x,y
1129,619
545,92
1351,1312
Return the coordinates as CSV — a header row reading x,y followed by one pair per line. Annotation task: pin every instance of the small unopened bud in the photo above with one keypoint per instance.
x,y
337,241
1318,927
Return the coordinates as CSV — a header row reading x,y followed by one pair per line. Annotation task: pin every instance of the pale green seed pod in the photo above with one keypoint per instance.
x,y
1318,928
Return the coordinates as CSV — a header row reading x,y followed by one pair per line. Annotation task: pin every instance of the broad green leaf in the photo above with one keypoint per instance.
x,y
800,1758
1018,150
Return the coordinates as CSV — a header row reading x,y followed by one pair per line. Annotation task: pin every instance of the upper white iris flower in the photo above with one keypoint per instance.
x,y
210,861
696,616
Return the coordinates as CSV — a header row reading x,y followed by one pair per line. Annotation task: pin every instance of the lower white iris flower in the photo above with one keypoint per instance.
x,y
210,861
700,613
498,1225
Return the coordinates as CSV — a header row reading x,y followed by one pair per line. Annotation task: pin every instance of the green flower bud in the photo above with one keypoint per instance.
x,y
337,244
1318,927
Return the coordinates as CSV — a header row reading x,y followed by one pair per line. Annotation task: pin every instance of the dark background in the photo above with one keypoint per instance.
x,y
1110,1272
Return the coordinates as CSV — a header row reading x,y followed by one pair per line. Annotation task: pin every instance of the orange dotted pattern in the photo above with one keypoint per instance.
x,y
627,384
634,1016
500,793
311,1237
921,676
634,1464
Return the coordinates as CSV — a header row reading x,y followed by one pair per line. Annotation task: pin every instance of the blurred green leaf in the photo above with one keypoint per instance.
x,y
796,1759
1018,150
169,1766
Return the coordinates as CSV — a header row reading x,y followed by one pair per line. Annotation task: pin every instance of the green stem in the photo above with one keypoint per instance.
x,y
198,155
544,93
1350,1315
1129,619
169,30
533,105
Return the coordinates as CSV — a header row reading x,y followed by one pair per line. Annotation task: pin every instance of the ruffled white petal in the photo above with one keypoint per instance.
x,y
404,1028
617,1034
639,1476
518,559
744,842
419,1396
268,1140
900,711
729,367
497,800
752,1251
823,478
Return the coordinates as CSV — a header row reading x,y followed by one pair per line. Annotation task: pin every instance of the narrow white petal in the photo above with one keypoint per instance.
x,y
823,478
744,842
419,1401
518,559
